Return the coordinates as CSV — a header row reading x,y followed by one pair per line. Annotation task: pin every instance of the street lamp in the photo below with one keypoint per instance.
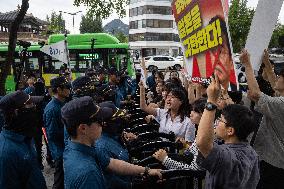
x,y
73,14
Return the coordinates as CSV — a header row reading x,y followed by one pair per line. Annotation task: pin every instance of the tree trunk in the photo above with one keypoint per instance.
x,y
5,68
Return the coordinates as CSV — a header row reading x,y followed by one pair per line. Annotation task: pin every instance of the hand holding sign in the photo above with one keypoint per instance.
x,y
214,90
245,58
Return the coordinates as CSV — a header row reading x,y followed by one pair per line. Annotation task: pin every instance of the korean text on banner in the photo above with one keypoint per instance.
x,y
57,50
205,39
261,29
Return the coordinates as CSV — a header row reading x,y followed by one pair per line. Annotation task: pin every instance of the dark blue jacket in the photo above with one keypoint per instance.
x,y
30,90
81,170
54,128
150,81
18,163
2,120
108,147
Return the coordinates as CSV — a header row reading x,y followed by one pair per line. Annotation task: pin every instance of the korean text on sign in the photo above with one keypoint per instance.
x,y
181,5
204,39
190,22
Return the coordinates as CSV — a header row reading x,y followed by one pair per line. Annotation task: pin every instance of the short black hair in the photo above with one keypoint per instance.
x,y
199,105
175,81
181,95
72,127
241,119
160,74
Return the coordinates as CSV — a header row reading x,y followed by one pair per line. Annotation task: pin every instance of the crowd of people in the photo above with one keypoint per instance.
x,y
236,137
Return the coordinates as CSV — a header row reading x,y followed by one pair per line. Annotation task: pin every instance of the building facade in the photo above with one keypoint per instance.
x,y
30,29
152,29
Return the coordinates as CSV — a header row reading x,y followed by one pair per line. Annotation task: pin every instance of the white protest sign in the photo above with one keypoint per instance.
x,y
57,50
261,29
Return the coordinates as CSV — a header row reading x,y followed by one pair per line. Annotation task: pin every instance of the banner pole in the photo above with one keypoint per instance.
x,y
67,51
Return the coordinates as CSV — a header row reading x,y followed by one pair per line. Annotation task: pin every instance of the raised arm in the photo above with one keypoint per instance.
x,y
190,92
144,68
150,110
205,133
271,76
254,91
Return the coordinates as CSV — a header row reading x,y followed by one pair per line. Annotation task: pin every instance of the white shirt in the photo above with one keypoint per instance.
x,y
185,129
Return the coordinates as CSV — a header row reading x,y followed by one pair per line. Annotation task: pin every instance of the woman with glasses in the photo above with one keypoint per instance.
x,y
174,118
161,155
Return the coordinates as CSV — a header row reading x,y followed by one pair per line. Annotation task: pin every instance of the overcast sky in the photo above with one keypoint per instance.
x,y
41,8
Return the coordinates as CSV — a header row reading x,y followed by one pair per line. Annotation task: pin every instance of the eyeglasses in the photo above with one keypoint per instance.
x,y
219,119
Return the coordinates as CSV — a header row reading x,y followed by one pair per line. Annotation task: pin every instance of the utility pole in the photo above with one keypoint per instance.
x,y
72,14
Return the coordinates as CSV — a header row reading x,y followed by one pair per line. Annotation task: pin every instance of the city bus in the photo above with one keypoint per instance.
x,y
85,51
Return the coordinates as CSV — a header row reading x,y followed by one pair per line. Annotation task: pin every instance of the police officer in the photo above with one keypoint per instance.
x,y
82,163
81,167
110,145
83,86
114,78
101,74
54,126
18,162
30,89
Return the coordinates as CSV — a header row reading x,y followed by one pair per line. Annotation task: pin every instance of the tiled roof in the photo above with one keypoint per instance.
x,y
8,17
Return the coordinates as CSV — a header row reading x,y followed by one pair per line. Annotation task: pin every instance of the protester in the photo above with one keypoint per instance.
x,y
18,163
54,126
233,164
270,136
169,163
174,74
174,118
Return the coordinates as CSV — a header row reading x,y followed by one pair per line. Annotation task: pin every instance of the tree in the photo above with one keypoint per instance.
x,y
5,68
240,18
91,24
56,23
121,37
103,9
278,33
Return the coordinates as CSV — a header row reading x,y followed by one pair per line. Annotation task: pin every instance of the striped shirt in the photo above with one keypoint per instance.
x,y
172,164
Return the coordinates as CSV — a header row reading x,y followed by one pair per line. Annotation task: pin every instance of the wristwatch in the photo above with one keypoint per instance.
x,y
210,106
146,172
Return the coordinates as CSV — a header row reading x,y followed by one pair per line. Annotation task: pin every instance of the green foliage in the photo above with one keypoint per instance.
x,y
56,23
121,37
103,9
91,24
240,18
277,33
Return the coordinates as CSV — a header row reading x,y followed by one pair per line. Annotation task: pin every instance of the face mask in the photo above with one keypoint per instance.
x,y
24,122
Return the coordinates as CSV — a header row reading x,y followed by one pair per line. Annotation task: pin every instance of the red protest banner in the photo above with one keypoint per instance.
x,y
206,42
